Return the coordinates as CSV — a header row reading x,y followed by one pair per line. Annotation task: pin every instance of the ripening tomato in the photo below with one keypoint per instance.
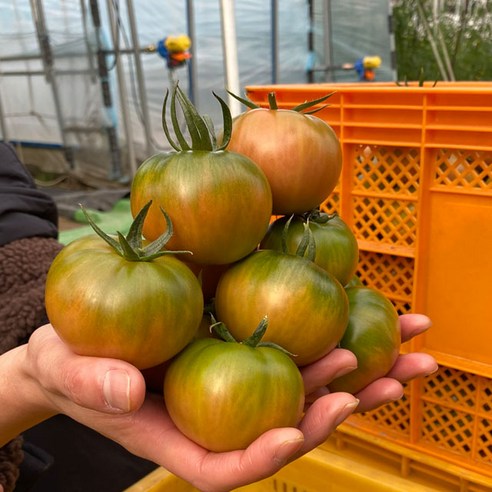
x,y
142,310
337,251
372,334
307,308
219,201
299,153
223,394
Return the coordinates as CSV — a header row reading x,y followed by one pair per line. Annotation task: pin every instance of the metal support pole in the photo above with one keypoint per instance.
x,y
274,27
142,93
123,94
229,47
327,37
106,93
92,68
190,20
48,65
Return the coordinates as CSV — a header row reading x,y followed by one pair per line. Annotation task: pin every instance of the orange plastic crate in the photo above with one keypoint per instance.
x,y
342,465
416,189
338,466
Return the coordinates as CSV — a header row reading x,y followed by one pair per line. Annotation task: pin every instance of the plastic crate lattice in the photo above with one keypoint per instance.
x,y
386,221
392,419
392,275
455,403
463,169
386,169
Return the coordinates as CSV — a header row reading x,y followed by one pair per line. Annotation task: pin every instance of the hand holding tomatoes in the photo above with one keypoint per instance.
x,y
108,395
192,179
52,379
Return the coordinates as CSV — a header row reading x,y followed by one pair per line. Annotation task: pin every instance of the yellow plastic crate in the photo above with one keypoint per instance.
x,y
337,466
416,189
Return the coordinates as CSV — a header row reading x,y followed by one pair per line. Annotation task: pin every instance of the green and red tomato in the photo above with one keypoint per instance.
x,y
307,307
337,251
143,310
223,395
219,201
299,153
372,334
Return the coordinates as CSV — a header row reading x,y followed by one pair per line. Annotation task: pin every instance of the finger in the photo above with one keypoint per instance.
x,y
413,325
158,440
268,454
379,392
322,418
105,385
263,458
413,365
320,373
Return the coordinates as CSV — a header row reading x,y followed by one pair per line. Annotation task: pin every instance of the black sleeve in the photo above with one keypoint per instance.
x,y
25,211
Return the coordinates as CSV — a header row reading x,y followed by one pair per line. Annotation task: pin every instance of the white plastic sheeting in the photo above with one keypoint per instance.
x,y
68,109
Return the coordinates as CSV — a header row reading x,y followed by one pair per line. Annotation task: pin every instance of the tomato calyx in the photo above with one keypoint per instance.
x,y
254,340
318,217
307,246
130,246
200,128
273,105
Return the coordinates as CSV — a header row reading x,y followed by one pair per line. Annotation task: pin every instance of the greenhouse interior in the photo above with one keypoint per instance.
x,y
106,53
92,90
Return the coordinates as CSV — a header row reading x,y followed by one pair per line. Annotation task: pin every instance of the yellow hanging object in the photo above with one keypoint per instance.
x,y
177,44
371,62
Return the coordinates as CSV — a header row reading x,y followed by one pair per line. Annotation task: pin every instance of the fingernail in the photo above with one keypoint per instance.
x,y
116,389
347,410
287,449
426,323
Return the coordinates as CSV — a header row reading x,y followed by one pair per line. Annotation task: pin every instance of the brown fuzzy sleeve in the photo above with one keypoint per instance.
x,y
23,267
11,456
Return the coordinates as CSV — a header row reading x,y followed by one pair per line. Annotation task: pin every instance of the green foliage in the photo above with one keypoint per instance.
x,y
455,39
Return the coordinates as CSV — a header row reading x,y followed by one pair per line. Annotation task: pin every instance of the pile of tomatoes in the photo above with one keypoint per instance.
x,y
230,278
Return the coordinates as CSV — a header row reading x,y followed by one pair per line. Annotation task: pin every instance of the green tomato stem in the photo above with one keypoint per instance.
x,y
307,246
200,128
220,328
273,105
253,341
272,101
130,246
257,335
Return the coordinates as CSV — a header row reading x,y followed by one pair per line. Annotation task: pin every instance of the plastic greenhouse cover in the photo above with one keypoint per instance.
x,y
28,104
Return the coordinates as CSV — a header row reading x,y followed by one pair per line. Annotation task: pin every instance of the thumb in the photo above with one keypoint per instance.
x,y
105,385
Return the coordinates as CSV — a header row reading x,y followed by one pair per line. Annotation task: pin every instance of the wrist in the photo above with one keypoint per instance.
x,y
22,399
